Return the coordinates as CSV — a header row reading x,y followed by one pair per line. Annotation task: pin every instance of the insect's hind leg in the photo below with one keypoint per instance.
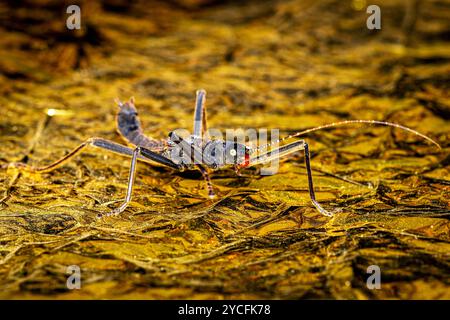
x,y
96,142
138,153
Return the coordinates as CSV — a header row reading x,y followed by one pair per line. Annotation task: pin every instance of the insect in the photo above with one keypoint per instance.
x,y
198,152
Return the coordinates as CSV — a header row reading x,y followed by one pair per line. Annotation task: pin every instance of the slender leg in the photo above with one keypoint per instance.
x,y
131,178
200,125
288,149
96,142
138,153
205,175
204,121
312,195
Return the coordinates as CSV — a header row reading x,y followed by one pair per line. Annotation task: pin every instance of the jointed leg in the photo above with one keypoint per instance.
x,y
96,142
131,179
205,175
136,153
312,195
204,121
288,149
200,123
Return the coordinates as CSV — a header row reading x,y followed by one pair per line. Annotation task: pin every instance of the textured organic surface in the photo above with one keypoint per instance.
x,y
289,65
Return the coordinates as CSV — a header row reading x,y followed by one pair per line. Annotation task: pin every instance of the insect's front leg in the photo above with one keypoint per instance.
x,y
284,151
310,184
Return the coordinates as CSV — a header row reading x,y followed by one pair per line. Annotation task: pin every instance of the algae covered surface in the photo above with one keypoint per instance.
x,y
289,65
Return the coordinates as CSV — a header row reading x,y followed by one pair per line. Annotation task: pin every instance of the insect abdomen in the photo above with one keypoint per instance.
x,y
129,127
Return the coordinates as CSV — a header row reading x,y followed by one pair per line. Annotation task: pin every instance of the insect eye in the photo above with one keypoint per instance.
x,y
233,152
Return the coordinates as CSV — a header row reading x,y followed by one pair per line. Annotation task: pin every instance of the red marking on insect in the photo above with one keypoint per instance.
x,y
246,160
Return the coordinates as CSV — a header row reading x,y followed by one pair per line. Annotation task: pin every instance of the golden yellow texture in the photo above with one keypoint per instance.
x,y
289,65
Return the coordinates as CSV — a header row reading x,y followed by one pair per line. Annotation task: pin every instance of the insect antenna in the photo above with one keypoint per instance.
x,y
340,123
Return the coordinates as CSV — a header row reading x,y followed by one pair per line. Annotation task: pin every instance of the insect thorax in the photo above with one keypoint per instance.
x,y
214,154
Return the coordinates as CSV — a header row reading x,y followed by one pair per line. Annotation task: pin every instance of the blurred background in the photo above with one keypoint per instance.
x,y
289,65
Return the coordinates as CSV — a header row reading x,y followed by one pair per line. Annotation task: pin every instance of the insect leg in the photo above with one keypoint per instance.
x,y
310,184
96,142
284,151
205,175
131,178
200,123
